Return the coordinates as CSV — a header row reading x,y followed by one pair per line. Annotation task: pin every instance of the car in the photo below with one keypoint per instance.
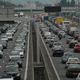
x,y
77,47
12,71
62,33
20,45
76,35
4,38
55,43
72,43
1,47
1,54
73,70
49,39
15,52
68,39
78,77
15,58
9,36
7,78
58,51
47,34
72,60
4,43
65,57
79,38
20,40
10,32
19,48
14,63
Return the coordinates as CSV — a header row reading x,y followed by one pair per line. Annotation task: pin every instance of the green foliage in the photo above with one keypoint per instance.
x,y
72,2
64,3
6,4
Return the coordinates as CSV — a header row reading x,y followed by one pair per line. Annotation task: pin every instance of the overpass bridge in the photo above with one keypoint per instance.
x,y
25,10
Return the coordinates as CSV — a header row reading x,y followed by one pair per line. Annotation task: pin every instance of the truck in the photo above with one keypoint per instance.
x,y
58,20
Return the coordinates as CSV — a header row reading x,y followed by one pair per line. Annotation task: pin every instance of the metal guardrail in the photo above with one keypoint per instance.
x,y
49,65
27,58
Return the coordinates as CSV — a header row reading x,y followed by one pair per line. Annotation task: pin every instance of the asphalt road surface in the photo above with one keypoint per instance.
x,y
57,60
11,44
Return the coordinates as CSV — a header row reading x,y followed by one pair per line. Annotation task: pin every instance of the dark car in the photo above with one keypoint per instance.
x,y
73,70
66,56
58,51
4,43
55,43
12,70
68,39
16,59
72,43
76,35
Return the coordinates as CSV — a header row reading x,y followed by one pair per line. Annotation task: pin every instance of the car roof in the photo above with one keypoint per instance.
x,y
73,58
7,79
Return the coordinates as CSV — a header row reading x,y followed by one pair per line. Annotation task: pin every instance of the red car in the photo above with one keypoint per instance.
x,y
77,47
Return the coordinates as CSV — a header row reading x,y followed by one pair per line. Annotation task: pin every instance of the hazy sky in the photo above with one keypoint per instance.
x,y
43,1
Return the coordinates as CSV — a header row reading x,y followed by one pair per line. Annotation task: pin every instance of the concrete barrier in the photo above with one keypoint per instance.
x,y
49,65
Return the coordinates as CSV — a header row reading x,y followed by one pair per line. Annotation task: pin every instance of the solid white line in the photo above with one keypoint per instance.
x,y
50,58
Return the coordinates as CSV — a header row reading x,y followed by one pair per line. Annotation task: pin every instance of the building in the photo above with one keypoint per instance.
x,y
6,14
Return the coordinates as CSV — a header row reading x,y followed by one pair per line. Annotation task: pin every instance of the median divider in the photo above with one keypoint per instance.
x,y
27,58
48,62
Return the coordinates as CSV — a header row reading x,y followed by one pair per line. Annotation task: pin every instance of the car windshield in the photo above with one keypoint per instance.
x,y
57,43
73,60
68,54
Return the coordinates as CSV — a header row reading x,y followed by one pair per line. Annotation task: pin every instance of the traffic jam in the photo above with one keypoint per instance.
x,y
62,38
13,46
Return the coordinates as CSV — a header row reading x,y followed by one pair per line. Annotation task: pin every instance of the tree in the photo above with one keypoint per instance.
x,y
68,3
63,2
72,2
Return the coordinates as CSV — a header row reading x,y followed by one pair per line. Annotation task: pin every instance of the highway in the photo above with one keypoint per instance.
x,y
53,66
10,47
60,68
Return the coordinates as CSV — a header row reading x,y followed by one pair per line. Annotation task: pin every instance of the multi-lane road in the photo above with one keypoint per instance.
x,y
22,32
60,68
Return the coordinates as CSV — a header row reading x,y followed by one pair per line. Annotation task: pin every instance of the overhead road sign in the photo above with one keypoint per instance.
x,y
52,9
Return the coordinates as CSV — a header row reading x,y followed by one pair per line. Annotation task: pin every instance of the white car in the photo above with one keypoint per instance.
x,y
7,79
78,77
4,38
9,36
72,60
62,33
